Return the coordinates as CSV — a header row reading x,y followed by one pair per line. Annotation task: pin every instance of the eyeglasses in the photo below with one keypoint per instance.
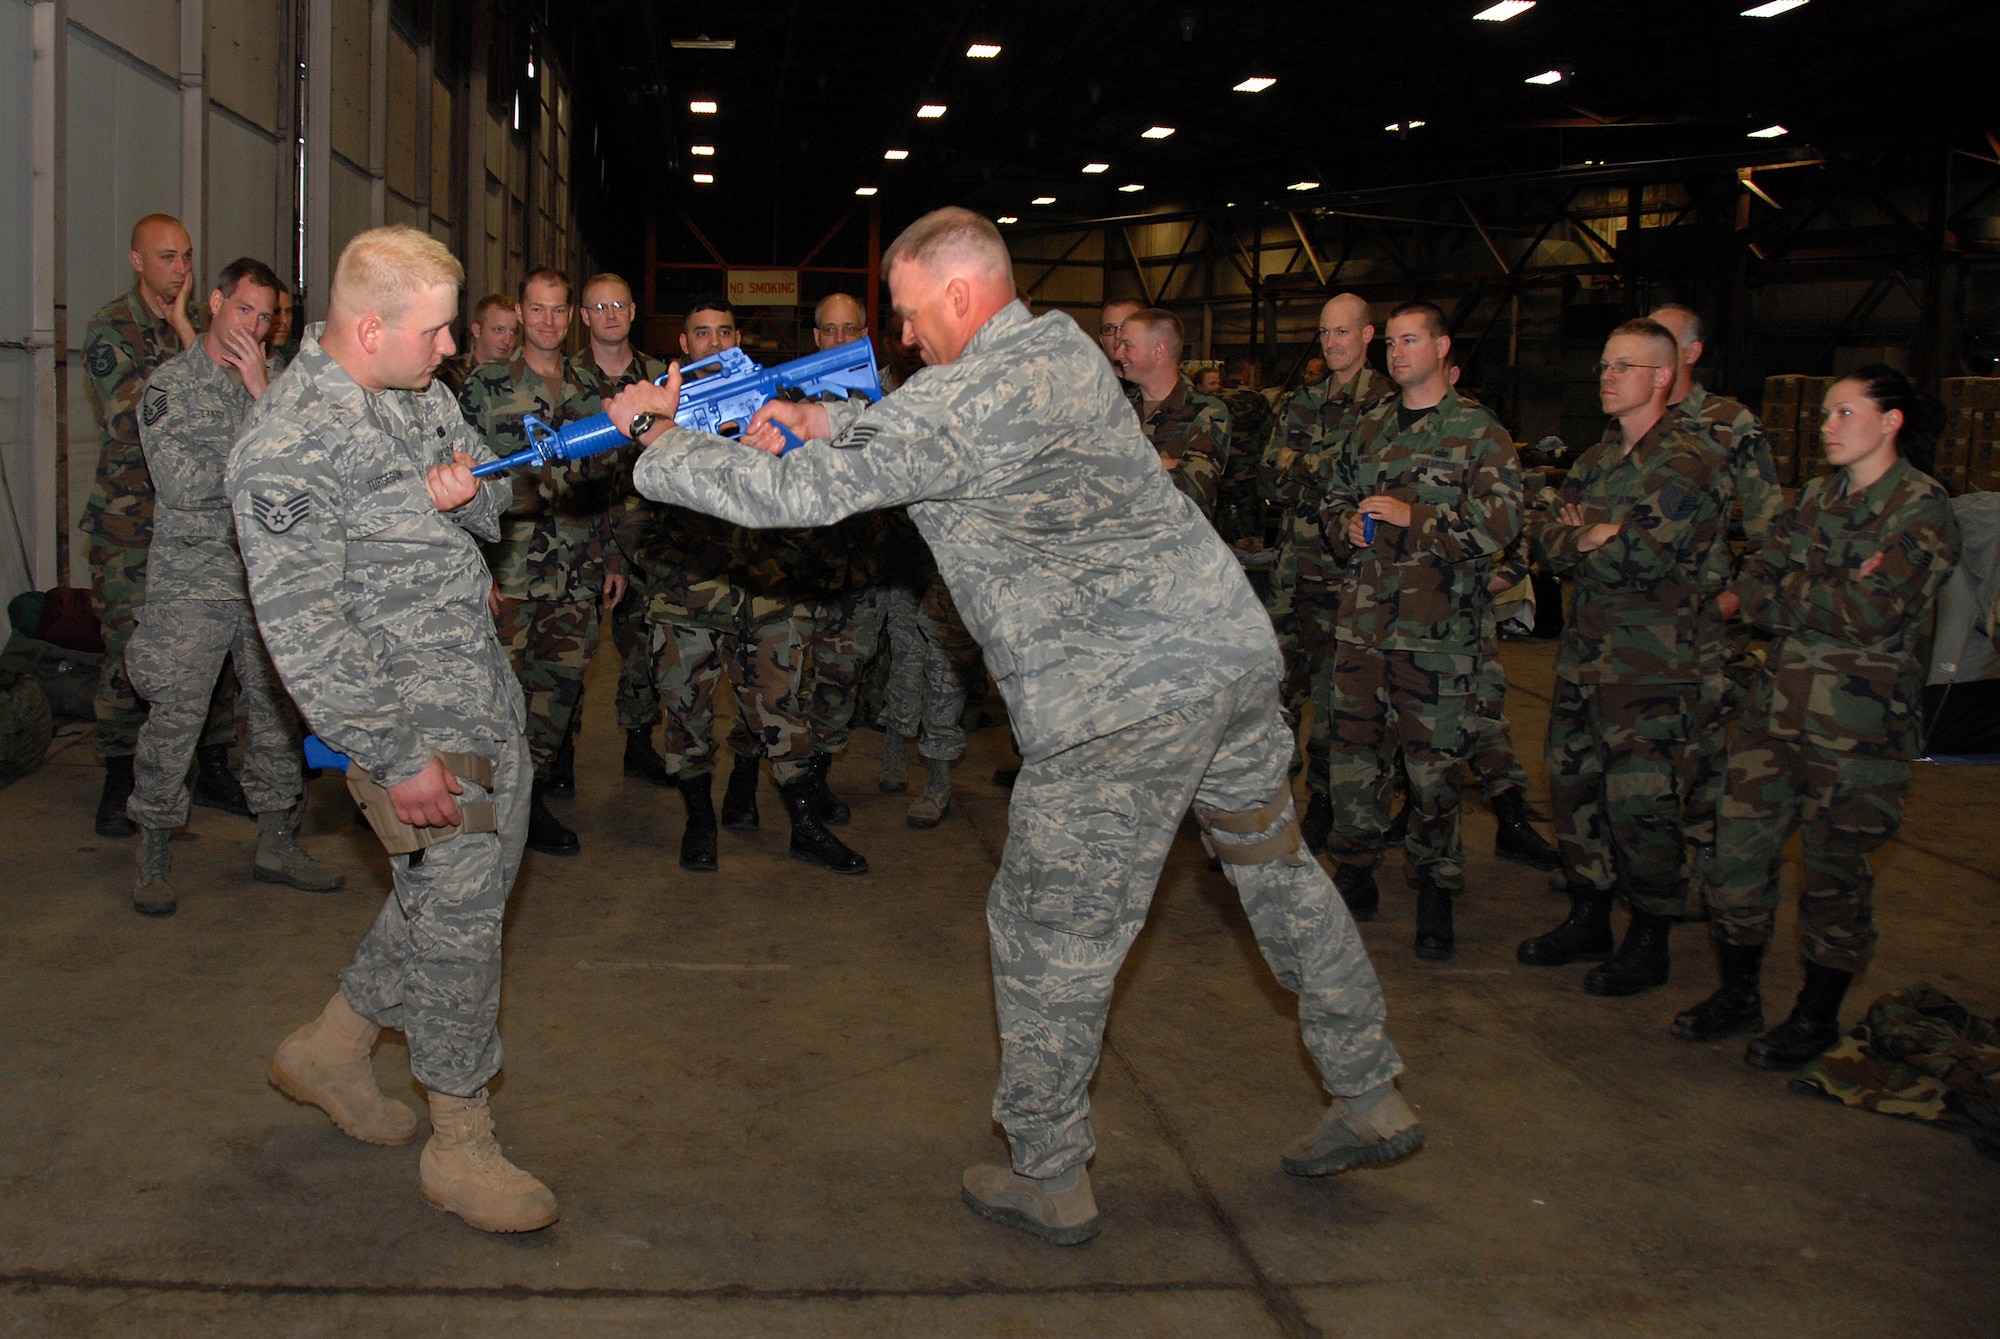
x,y
1621,368
844,330
614,308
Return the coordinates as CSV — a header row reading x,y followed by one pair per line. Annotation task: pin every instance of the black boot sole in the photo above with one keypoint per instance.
x,y
1533,861
550,848
114,827
740,822
819,862
1741,1026
699,865
1789,1058
1436,952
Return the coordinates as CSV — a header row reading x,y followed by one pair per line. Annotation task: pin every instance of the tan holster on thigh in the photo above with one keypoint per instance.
x,y
398,837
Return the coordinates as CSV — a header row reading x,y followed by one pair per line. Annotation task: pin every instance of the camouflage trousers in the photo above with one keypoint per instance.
x,y
1418,704
1617,758
762,662
1720,704
931,661
632,635
550,644
1088,831
117,589
430,965
1309,674
1842,806
840,637
1494,764
174,658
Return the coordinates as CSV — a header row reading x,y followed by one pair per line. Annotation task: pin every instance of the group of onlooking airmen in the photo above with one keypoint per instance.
x,y
1404,513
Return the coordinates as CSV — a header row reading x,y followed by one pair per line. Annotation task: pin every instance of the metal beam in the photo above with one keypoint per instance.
x,y
1312,257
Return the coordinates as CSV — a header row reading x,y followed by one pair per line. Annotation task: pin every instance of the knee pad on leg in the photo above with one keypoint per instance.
x,y
1274,827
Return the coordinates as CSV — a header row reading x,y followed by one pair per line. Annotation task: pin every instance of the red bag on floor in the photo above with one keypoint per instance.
x,y
69,622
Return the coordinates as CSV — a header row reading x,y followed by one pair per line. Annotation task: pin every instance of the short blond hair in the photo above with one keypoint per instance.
x,y
952,236
383,268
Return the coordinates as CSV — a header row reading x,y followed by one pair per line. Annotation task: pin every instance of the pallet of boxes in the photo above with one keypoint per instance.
x,y
1968,458
1791,423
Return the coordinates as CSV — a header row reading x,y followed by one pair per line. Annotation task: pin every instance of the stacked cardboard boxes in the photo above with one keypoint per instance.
x,y
1968,457
1791,422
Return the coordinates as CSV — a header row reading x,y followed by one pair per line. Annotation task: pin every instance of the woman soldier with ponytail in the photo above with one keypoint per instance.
x,y
1845,588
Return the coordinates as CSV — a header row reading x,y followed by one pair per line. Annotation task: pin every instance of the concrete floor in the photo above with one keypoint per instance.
x,y
754,1091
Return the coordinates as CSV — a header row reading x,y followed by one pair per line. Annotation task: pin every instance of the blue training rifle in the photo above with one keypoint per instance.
x,y
711,404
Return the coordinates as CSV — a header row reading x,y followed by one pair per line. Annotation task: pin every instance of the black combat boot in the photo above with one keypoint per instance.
x,y
112,820
546,832
1584,937
739,801
811,842
1435,942
698,850
215,786
1812,1027
826,804
1641,961
1735,1009
1515,838
1357,888
1317,825
1005,777
643,760
562,768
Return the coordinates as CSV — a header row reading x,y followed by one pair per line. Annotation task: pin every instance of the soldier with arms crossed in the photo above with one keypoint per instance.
x,y
1138,668
355,503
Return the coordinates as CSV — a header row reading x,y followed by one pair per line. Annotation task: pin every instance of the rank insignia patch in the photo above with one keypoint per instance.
x,y
154,407
280,515
856,437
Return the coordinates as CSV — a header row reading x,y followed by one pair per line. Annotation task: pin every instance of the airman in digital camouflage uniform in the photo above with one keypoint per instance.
x,y
356,508
1438,477
1846,587
1188,429
126,341
197,611
1139,670
555,559
1735,435
1295,468
1634,529
725,601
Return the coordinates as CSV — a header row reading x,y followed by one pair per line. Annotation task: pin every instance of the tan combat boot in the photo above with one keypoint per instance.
x,y
1059,1209
1376,1127
280,858
464,1172
325,1064
152,893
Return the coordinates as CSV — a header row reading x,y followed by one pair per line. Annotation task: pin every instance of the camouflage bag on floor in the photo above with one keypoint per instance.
x,y
26,725
1917,1053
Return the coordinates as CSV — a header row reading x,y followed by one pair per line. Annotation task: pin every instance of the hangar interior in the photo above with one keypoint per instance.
x,y
754,1092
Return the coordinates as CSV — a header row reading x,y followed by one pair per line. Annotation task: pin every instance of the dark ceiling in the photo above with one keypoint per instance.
x,y
813,94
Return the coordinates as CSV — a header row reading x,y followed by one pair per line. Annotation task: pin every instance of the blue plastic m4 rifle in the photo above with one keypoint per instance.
x,y
721,404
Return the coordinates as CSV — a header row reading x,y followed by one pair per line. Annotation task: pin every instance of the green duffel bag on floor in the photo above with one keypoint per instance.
x,y
68,678
26,725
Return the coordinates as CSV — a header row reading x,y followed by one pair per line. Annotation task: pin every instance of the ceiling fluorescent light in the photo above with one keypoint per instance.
x,y
704,43
1769,132
702,150
864,190
1131,186
1506,9
1303,186
1043,200
1156,132
1256,83
1546,77
704,179
1772,9
1097,167
983,50
896,155
931,111
702,107
1007,218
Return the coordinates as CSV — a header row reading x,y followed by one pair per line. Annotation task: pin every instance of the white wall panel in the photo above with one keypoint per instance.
x,y
124,163
348,201
148,29
242,193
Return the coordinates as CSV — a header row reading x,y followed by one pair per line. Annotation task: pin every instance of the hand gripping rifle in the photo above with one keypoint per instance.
x,y
710,404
